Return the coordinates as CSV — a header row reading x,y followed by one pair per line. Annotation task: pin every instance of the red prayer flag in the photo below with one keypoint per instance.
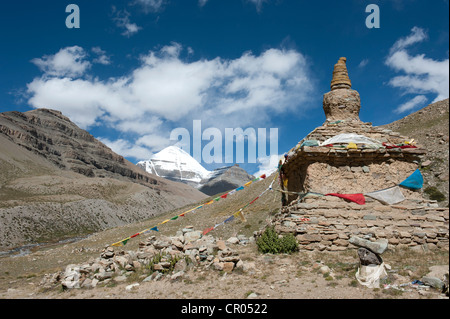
x,y
356,198
224,196
208,230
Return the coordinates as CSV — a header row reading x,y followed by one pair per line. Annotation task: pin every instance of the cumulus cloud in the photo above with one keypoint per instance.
x,y
67,62
421,75
165,91
122,20
126,149
151,5
268,165
101,58
419,100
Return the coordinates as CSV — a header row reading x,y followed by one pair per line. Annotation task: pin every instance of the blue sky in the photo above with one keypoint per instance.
x,y
137,69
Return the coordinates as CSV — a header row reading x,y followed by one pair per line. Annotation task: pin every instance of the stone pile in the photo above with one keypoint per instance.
x,y
157,258
326,223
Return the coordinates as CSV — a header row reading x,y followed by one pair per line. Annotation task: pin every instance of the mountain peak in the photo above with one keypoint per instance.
x,y
176,164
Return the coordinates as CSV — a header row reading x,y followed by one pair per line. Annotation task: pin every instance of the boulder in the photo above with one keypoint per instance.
x,y
377,247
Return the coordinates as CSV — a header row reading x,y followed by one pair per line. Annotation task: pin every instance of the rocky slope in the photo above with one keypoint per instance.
x,y
58,181
430,128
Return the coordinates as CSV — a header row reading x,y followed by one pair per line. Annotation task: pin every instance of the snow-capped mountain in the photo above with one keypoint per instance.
x,y
177,165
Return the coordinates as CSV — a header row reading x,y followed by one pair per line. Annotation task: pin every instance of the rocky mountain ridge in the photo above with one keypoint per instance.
x,y
57,181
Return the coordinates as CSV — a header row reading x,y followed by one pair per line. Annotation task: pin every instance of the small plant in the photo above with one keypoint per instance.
x,y
434,194
269,242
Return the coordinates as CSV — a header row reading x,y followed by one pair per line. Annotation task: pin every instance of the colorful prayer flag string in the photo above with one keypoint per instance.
x,y
224,196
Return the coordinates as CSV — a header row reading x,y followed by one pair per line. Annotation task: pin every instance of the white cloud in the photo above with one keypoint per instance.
x,y
165,91
124,148
268,165
363,63
68,62
419,100
101,58
422,75
417,35
151,5
258,3
122,20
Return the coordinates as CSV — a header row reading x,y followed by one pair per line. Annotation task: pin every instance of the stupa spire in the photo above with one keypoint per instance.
x,y
340,76
341,103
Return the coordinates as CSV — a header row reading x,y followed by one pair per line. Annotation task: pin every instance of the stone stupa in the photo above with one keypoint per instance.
x,y
328,162
347,170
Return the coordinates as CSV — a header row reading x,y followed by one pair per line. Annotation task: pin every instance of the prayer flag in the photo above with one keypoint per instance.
x,y
414,181
389,196
208,230
356,198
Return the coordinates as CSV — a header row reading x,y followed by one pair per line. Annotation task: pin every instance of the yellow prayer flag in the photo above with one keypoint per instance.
x,y
247,184
240,215
352,146
167,220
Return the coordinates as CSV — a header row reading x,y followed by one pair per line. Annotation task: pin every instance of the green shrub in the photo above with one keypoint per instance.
x,y
269,242
434,194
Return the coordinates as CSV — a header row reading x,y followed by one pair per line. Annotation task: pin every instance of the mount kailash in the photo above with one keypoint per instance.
x,y
175,164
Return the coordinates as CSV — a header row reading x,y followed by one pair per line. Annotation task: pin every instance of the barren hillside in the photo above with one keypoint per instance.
x,y
430,128
57,182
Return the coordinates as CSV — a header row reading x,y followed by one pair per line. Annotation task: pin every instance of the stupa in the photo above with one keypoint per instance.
x,y
345,154
348,158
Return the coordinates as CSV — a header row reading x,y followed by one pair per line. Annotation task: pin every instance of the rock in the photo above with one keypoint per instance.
x,y
228,267
181,265
221,245
324,270
233,240
108,253
377,247
122,261
177,276
433,282
120,278
71,277
252,296
192,236
217,265
368,257
427,163
103,275
130,287
162,243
